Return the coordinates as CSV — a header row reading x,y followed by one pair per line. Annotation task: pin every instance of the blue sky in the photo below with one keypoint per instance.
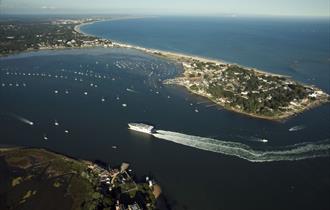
x,y
175,7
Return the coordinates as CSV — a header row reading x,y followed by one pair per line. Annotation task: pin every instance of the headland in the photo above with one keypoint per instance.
x,y
32,178
237,88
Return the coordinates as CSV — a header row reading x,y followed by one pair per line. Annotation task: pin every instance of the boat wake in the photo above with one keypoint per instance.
x,y
300,151
297,128
130,90
22,119
256,139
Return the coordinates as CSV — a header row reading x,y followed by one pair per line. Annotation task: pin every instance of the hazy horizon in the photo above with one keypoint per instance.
x,y
294,8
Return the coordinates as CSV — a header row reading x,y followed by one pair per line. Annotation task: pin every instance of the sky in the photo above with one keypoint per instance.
x,y
317,8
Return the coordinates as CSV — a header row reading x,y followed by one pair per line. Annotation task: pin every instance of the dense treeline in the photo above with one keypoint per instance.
x,y
19,36
260,94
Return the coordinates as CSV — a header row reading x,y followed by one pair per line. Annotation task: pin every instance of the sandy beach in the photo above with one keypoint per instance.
x,y
77,27
181,58
168,54
175,56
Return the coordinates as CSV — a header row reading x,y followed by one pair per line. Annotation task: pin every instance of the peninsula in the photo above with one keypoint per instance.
x,y
248,91
240,89
33,178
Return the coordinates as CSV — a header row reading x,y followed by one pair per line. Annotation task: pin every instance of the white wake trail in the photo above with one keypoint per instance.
x,y
297,128
130,90
22,119
289,153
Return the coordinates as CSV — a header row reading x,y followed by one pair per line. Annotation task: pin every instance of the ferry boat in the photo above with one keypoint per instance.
x,y
143,128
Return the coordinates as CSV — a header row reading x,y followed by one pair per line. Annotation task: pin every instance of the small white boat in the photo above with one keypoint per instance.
x,y
264,140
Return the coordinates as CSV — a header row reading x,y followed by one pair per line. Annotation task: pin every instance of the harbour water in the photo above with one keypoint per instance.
x,y
81,101
289,46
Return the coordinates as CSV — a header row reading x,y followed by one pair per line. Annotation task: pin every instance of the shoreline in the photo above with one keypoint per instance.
x,y
181,58
77,28
280,118
91,176
119,44
176,56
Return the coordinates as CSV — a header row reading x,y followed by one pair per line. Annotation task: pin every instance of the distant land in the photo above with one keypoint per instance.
x,y
32,178
35,34
240,89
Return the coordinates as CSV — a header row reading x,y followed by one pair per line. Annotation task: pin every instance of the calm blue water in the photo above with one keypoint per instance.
x,y
46,86
295,47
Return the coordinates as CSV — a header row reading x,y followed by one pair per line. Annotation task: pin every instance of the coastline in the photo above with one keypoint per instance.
x,y
184,59
87,179
212,121
174,56
279,118
77,28
181,58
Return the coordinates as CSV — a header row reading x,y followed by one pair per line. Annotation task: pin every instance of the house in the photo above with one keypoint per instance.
x,y
135,206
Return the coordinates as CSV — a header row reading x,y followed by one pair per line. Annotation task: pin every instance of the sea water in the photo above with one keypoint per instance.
x,y
210,159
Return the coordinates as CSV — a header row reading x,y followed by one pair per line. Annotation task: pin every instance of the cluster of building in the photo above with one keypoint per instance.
x,y
109,179
57,34
71,21
96,43
76,43
228,84
134,206
198,76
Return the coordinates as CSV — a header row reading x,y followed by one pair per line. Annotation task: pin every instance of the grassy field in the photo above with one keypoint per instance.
x,y
38,179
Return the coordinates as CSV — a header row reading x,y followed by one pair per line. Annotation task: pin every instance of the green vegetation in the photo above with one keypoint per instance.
x,y
57,184
28,194
248,91
260,94
40,167
194,87
18,36
16,181
39,177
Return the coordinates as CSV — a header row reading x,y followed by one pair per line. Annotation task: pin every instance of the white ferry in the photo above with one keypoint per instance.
x,y
143,128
